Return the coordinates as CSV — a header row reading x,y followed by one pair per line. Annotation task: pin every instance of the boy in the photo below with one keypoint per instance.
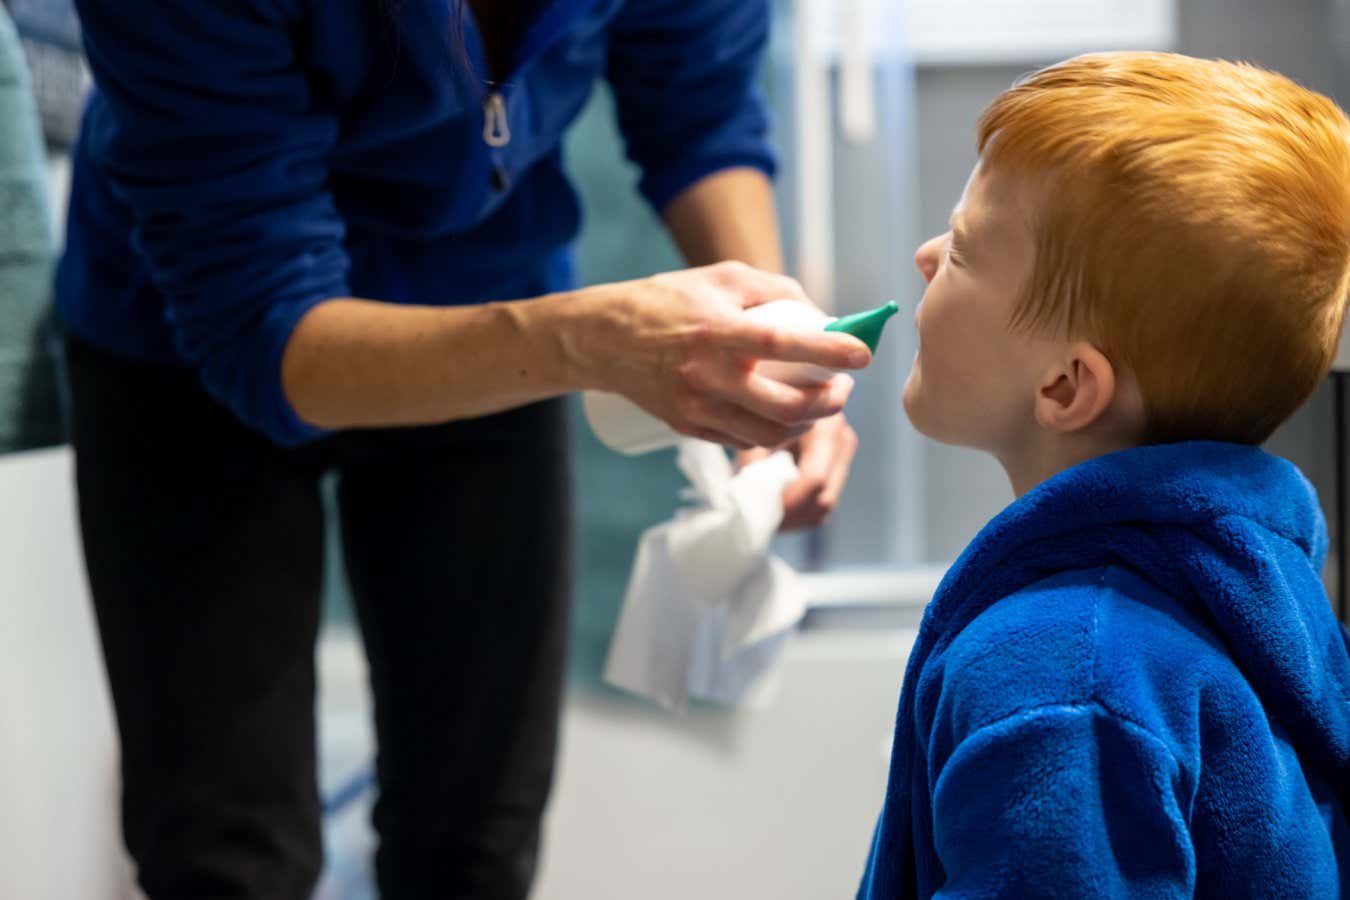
x,y
1131,682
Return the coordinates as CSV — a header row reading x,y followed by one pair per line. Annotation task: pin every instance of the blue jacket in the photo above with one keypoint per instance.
x,y
244,160
1131,684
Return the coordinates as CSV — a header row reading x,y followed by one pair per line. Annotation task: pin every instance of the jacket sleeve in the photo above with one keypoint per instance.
x,y
684,77
213,137
1062,801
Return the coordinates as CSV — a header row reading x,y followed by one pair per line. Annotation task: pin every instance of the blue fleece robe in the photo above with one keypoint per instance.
x,y
1130,684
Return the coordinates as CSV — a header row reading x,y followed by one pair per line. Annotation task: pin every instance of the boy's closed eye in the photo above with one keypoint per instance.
x,y
957,240
954,253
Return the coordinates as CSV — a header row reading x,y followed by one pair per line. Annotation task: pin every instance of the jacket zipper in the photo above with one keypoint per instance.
x,y
496,134
496,130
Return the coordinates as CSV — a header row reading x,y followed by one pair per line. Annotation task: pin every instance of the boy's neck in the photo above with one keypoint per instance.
x,y
1042,452
1049,455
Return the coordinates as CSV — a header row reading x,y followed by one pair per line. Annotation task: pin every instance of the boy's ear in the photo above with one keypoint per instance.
x,y
1077,392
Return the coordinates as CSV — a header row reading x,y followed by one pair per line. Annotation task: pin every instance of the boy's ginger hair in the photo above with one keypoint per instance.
x,y
1193,223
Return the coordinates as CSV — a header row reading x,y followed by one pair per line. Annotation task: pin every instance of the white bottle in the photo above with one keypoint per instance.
x,y
622,425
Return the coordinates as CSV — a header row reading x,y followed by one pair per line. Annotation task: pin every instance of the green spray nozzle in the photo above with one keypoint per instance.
x,y
866,326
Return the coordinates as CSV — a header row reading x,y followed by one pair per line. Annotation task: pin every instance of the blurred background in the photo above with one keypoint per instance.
x,y
874,106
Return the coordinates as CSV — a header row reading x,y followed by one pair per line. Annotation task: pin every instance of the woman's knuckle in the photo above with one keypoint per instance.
x,y
700,337
814,483
689,375
729,270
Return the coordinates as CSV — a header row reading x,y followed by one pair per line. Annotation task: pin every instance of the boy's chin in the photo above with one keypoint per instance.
x,y
928,419
913,401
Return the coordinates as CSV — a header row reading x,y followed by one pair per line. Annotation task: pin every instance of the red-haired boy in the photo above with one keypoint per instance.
x,y
1131,682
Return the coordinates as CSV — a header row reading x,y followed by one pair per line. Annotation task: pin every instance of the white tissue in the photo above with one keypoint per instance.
x,y
708,609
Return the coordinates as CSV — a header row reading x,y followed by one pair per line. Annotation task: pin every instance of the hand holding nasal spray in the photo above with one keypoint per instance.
x,y
624,426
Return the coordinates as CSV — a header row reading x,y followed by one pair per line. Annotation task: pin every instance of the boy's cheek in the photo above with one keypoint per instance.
x,y
925,412
909,399
918,388
920,320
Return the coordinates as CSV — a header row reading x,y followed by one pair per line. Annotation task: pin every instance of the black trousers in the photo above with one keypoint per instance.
x,y
204,546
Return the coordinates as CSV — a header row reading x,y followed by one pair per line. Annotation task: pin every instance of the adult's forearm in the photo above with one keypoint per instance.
x,y
355,363
727,215
674,343
358,363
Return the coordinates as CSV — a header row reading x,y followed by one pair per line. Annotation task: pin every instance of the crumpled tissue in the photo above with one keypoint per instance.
x,y
709,610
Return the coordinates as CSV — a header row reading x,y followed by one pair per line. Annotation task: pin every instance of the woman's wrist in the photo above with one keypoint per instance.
x,y
566,334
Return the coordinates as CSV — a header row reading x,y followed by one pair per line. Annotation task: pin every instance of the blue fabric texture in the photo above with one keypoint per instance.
x,y
1131,684
243,160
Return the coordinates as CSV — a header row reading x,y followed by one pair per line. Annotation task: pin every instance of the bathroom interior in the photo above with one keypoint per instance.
x,y
873,108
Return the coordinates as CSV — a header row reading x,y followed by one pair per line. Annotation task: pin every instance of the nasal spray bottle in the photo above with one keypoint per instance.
x,y
624,426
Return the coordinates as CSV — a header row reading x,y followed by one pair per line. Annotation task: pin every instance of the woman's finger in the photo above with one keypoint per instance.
x,y
814,458
832,350
753,455
847,448
745,428
769,398
717,437
755,286
824,458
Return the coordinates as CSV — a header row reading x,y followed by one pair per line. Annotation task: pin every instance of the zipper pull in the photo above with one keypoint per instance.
x,y
496,131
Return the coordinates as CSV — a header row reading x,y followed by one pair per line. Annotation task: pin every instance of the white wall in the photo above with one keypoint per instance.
x,y
59,836
777,803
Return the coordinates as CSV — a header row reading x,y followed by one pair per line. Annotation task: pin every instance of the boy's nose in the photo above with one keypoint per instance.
x,y
927,257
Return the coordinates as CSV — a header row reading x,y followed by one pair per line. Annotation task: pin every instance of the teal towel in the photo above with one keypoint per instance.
x,y
30,413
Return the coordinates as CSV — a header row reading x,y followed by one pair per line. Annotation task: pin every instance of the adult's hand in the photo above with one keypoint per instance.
x,y
823,456
678,345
